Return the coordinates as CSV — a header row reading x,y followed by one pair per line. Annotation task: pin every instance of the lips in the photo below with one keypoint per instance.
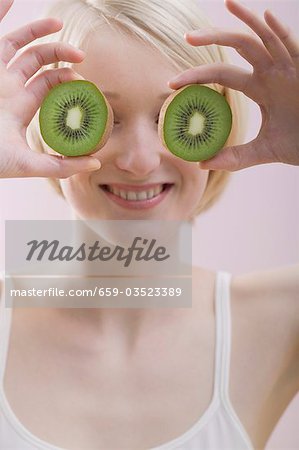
x,y
137,204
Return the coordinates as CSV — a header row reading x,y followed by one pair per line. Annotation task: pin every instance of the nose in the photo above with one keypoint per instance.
x,y
139,149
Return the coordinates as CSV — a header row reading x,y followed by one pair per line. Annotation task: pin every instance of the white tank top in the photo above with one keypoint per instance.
x,y
219,428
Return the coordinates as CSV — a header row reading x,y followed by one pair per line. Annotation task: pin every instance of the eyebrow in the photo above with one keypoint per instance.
x,y
116,96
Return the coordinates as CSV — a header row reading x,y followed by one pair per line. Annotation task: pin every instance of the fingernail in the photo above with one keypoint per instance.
x,y
81,52
78,77
59,21
195,33
174,80
190,34
203,166
93,165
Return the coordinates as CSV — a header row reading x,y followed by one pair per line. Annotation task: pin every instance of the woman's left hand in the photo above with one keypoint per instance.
x,y
273,84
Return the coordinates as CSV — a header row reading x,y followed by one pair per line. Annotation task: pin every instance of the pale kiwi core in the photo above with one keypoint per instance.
x,y
74,118
196,125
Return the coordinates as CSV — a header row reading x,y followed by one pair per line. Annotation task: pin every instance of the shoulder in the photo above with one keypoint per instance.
x,y
277,288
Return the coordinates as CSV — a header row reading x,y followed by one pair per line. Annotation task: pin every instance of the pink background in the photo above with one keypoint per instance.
x,y
254,226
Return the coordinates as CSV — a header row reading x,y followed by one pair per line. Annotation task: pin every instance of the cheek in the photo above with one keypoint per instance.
x,y
195,180
75,190
196,185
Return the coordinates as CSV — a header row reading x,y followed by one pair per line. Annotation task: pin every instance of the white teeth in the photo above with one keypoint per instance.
x,y
142,195
150,193
157,190
131,195
116,191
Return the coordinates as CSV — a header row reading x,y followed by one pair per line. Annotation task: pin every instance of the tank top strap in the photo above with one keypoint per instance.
x,y
5,323
223,335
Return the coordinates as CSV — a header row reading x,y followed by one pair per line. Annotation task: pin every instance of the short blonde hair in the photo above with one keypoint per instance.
x,y
161,24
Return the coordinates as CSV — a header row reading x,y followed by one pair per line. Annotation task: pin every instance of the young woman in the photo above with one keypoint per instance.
x,y
217,375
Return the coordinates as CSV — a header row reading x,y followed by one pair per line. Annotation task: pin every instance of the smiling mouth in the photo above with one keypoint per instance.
x,y
138,195
139,199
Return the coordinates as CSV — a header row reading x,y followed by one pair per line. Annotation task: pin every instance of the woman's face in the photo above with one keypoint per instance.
x,y
134,79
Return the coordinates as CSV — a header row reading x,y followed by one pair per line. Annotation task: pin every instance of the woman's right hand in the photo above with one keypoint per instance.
x,y
21,96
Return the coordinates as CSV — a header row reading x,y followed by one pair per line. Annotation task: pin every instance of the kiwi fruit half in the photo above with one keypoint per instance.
x,y
195,122
75,118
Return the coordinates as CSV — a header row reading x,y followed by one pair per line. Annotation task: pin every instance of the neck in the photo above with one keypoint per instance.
x,y
123,325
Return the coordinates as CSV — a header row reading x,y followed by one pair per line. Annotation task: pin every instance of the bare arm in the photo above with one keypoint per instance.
x,y
274,296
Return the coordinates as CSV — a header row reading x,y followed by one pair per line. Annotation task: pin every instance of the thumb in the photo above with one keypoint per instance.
x,y
235,158
55,166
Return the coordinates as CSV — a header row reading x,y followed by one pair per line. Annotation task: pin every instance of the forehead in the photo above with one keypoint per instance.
x,y
116,60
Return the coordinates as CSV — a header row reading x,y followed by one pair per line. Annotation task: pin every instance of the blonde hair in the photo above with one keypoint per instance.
x,y
161,24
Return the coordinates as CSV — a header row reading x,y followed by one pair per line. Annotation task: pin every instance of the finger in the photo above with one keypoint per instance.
x,y
247,46
237,158
14,41
5,6
274,45
284,34
40,85
34,164
225,74
36,57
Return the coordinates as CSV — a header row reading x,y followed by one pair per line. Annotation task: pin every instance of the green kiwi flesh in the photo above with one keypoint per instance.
x,y
75,118
196,122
